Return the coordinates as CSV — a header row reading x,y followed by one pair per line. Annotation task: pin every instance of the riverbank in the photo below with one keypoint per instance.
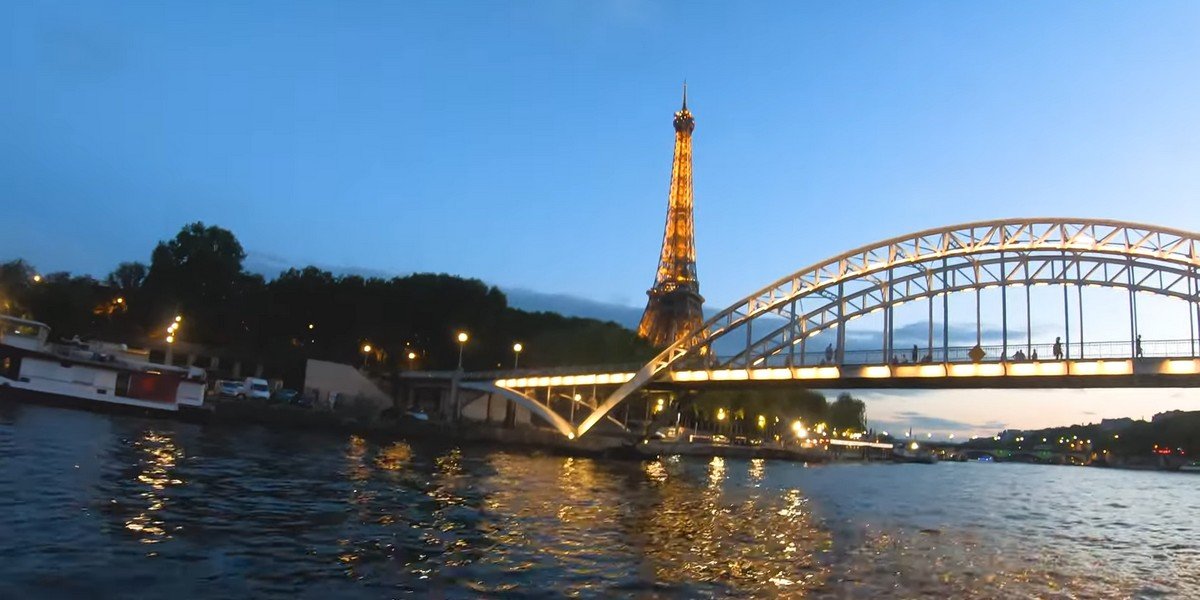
x,y
598,444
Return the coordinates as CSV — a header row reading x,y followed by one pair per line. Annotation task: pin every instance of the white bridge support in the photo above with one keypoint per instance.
x,y
560,424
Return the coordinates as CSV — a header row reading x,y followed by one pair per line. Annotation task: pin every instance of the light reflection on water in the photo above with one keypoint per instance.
x,y
158,507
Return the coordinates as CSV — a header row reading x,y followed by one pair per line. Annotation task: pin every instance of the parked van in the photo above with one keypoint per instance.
x,y
254,387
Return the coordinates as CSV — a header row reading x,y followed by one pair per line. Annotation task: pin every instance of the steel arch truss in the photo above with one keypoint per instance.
x,y
972,256
949,276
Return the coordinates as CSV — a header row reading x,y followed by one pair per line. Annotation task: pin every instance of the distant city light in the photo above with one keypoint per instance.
x,y
412,355
366,348
37,278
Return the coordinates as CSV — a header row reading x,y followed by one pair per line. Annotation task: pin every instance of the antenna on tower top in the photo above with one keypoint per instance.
x,y
684,94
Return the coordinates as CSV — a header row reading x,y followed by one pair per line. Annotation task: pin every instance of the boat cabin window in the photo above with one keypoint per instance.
x,y
122,388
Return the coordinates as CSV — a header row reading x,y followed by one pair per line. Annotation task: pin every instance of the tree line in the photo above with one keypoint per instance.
x,y
307,312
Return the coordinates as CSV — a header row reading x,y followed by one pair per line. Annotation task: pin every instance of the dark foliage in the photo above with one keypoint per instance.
x,y
307,312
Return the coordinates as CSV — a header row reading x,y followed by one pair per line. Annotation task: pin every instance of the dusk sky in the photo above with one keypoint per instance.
x,y
529,143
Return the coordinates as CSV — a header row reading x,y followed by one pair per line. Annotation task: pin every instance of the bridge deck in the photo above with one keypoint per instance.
x,y
1127,373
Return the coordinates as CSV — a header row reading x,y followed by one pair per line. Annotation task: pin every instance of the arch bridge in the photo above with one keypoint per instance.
x,y
772,327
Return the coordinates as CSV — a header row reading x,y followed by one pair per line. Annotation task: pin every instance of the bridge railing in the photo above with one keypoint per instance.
x,y
1121,349
992,353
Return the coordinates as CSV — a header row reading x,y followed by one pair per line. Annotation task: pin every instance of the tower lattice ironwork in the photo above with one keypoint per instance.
x,y
674,308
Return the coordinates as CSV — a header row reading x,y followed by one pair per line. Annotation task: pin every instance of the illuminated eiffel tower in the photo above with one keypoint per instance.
x,y
674,307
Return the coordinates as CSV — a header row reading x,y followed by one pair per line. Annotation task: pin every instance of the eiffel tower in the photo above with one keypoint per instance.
x,y
674,307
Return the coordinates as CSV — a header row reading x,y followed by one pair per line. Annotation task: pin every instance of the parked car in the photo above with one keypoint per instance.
x,y
284,396
227,388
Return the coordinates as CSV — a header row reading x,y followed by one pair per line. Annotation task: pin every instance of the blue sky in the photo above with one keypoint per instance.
x,y
529,143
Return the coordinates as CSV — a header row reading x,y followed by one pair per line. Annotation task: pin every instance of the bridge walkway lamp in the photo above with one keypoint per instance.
x,y
462,342
455,403
517,348
172,333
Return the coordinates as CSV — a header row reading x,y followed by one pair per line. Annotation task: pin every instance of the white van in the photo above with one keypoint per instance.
x,y
254,387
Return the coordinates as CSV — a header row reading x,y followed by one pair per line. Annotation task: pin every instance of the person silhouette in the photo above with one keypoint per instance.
x,y
1138,348
1058,348
915,352
829,353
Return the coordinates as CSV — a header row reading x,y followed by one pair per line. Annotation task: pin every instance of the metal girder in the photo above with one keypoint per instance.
x,y
971,243
864,302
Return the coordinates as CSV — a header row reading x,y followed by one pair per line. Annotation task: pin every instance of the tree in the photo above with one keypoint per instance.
x,y
127,277
199,274
847,412
16,277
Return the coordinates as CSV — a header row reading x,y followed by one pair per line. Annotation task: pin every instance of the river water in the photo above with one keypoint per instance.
x,y
101,506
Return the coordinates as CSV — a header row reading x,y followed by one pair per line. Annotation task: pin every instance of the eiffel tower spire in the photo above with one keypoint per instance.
x,y
674,307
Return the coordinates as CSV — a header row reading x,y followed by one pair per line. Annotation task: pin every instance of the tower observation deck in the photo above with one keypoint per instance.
x,y
674,308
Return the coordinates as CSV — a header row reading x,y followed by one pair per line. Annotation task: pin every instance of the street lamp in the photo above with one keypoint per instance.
x,y
462,341
517,348
366,350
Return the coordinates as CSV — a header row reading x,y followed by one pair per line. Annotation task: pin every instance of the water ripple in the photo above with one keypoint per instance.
x,y
143,507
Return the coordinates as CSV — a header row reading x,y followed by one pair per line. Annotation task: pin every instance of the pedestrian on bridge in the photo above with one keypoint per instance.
x,y
1058,349
1138,346
916,351
829,353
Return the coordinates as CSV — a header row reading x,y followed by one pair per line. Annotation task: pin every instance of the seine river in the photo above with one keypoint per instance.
x,y
99,506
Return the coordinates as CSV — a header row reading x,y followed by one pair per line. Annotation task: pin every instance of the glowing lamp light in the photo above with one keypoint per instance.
x,y
412,355
720,414
120,301
311,326
178,318
517,347
170,339
798,429
463,337
762,422
366,348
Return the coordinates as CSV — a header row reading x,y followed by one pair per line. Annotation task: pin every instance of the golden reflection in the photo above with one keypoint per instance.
x,y
716,472
682,520
656,471
395,457
722,538
160,455
356,463
757,469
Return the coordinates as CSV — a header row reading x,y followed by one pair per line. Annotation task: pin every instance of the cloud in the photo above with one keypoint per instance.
x,y
575,306
918,420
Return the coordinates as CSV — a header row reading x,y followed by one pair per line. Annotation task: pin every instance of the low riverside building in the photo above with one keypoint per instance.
x,y
331,384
